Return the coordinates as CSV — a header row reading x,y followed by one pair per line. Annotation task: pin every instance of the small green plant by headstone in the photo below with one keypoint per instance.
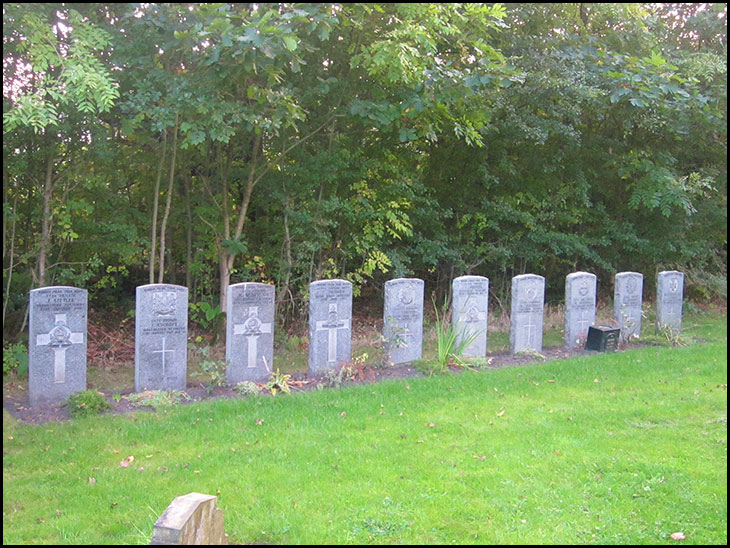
x,y
15,358
450,342
215,370
669,336
87,403
157,399
248,388
333,378
531,354
278,382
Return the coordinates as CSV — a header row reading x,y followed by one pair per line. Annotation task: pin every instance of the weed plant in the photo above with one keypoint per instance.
x,y
87,403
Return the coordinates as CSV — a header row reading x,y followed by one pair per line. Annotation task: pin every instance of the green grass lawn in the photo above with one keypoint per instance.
x,y
611,448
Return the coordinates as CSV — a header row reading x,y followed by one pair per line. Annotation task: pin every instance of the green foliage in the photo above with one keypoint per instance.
x,y
451,341
213,370
15,358
87,403
362,141
205,314
68,72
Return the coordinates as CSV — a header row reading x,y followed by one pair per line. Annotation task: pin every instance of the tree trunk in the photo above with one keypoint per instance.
x,y
227,258
168,204
287,258
11,257
189,239
46,223
155,207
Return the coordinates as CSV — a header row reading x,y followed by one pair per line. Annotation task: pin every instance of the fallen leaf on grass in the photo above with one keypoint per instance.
x,y
126,462
500,413
92,481
677,536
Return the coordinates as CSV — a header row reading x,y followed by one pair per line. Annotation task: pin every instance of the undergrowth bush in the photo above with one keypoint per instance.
x,y
15,358
87,403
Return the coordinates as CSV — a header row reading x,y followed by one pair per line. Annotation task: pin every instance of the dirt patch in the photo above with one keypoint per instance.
x,y
15,399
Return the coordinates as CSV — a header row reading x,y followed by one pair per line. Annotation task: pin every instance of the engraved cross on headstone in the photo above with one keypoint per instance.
x,y
59,338
252,329
671,314
528,326
164,351
332,324
583,321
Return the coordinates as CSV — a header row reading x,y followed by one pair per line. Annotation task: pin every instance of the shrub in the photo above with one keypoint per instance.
x,y
15,358
87,403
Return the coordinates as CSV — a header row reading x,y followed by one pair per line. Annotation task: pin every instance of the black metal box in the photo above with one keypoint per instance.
x,y
602,338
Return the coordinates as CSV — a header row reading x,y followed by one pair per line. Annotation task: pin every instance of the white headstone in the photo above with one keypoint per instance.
x,y
57,343
470,312
330,324
161,337
528,302
403,319
627,303
670,295
249,332
580,307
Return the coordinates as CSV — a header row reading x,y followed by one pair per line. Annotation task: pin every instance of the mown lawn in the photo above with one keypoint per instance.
x,y
612,448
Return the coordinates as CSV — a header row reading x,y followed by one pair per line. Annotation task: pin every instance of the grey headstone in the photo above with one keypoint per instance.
x,y
249,332
330,324
580,307
57,339
470,311
161,337
670,293
192,519
627,302
403,319
528,302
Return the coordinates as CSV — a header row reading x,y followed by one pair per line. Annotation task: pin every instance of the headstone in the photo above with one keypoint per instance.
x,y
528,301
627,302
161,337
190,519
57,339
469,312
580,307
670,293
602,338
403,319
330,324
249,332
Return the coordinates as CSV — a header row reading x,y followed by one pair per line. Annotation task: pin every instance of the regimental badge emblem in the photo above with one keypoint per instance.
x,y
163,303
583,289
631,285
407,295
674,284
